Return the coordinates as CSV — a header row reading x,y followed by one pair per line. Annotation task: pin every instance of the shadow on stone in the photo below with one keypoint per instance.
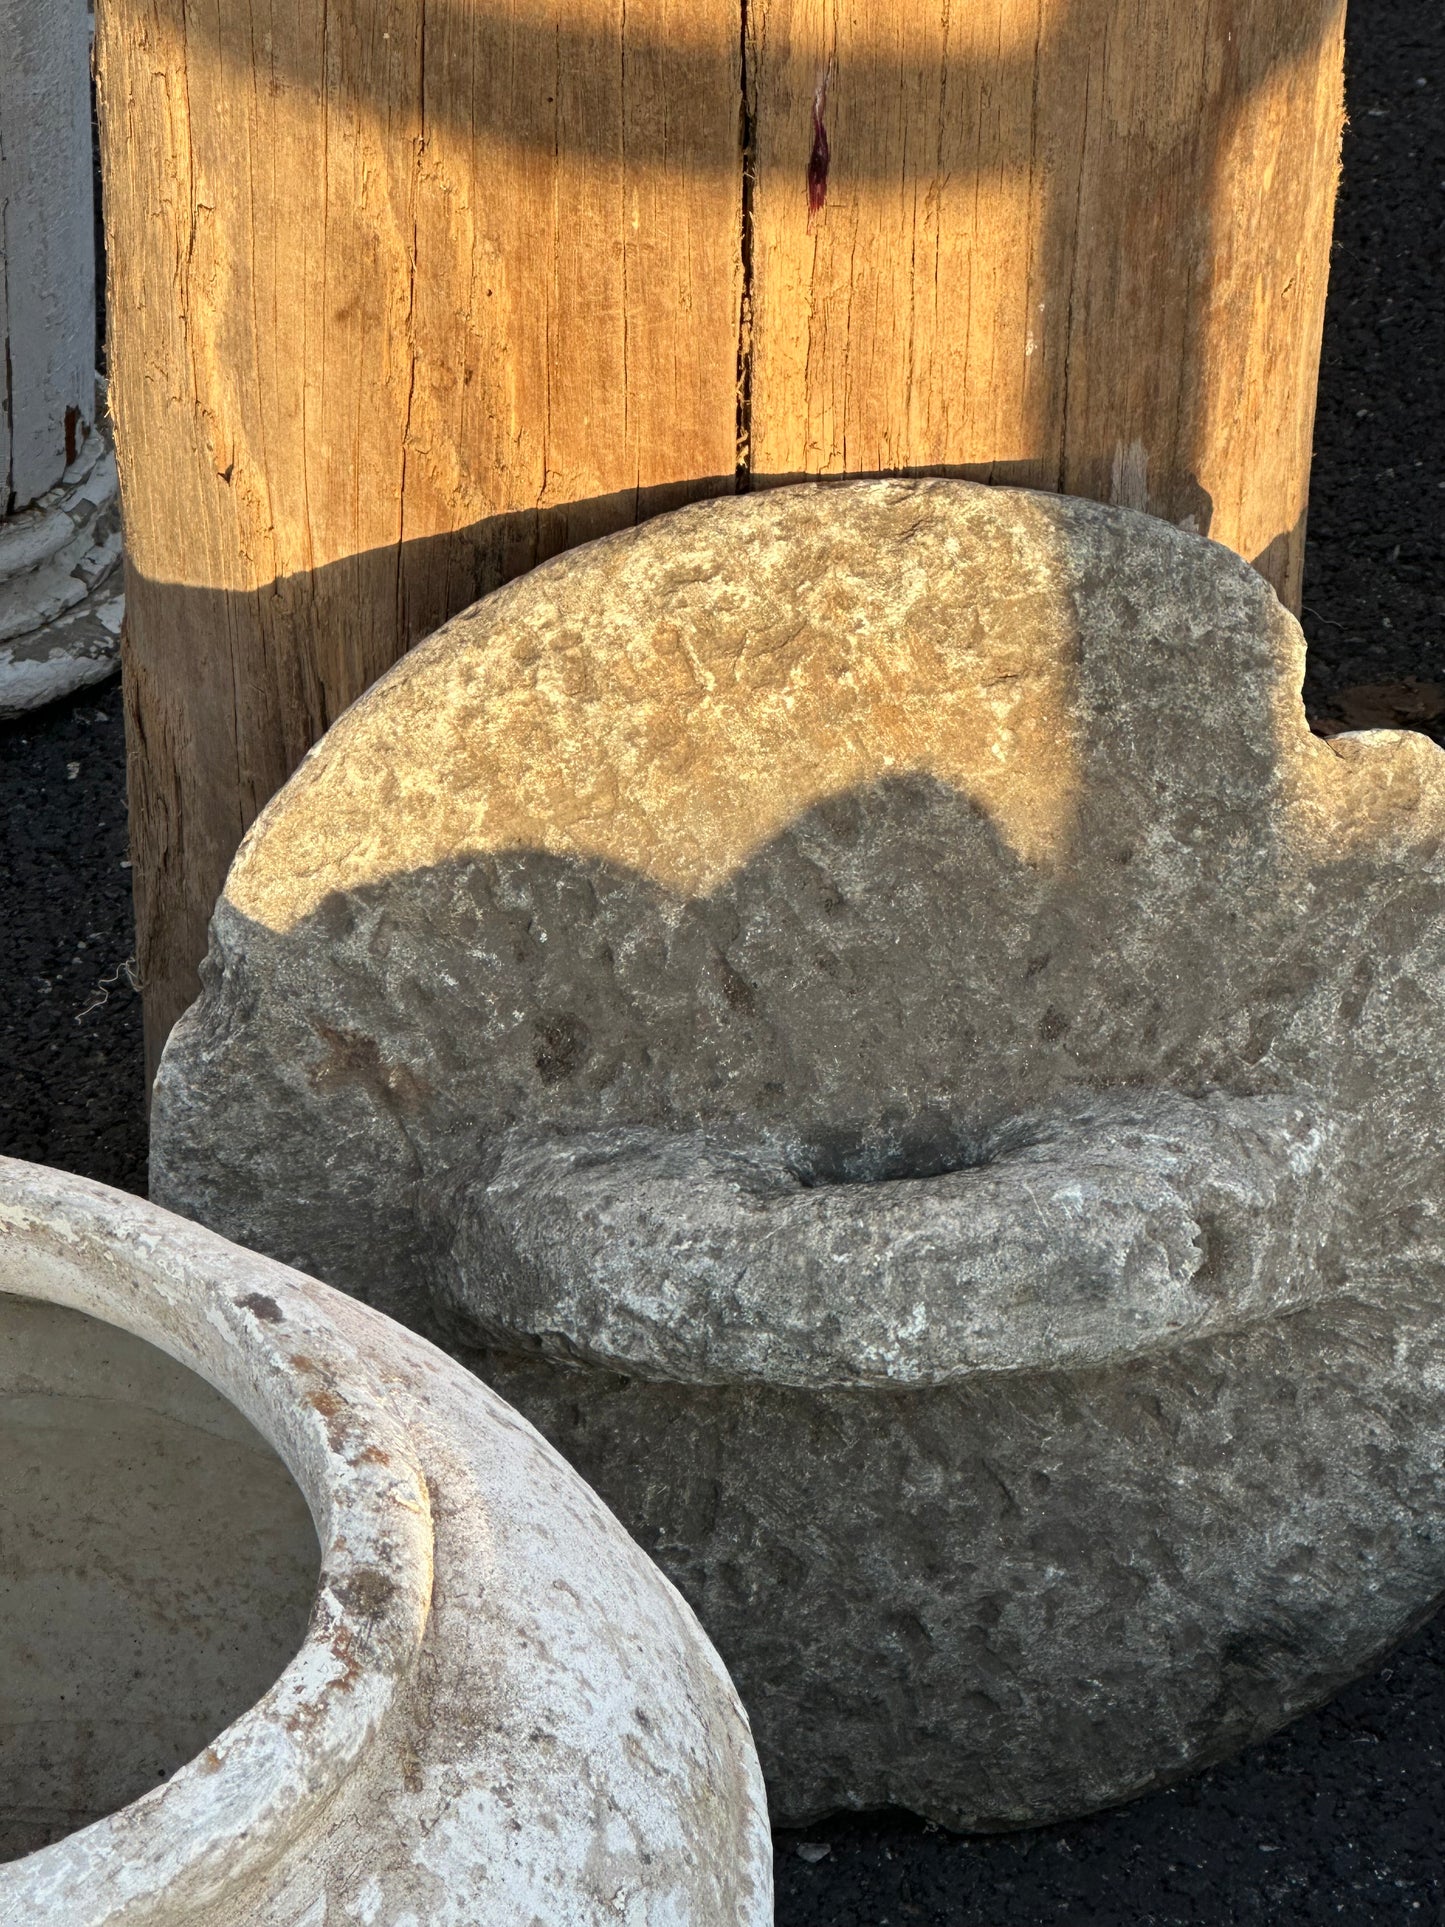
x,y
866,1013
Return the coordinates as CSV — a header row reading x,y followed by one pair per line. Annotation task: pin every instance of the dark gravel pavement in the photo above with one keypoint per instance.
x,y
1337,1819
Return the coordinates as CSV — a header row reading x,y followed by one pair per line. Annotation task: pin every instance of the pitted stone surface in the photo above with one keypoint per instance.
x,y
866,1009
1093,1232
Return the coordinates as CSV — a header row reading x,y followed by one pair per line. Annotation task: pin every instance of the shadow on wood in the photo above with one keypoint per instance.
x,y
448,289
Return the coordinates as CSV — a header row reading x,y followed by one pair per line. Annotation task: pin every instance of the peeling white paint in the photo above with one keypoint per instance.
x,y
60,539
47,243
60,576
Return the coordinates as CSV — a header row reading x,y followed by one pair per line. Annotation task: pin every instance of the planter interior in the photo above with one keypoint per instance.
x,y
157,1568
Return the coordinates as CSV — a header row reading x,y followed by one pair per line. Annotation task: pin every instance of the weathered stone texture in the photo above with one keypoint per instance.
x,y
868,1012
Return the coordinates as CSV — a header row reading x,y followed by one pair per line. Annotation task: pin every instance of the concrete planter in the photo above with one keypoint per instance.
x,y
490,1707
867,1014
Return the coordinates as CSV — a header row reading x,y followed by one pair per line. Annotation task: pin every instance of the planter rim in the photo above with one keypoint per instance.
x,y
259,1333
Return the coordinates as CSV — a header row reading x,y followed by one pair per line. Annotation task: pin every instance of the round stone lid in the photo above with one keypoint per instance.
x,y
851,932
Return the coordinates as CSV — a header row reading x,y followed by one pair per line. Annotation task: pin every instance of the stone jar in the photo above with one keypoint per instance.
x,y
865,1012
300,1623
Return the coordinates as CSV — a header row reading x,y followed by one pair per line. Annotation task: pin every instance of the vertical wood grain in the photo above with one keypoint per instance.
x,y
405,297
408,294
918,324
1078,244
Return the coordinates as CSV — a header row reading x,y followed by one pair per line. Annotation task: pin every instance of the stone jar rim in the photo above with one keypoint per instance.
x,y
260,1336
1089,1230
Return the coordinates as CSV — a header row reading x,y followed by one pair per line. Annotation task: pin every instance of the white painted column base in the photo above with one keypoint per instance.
x,y
60,585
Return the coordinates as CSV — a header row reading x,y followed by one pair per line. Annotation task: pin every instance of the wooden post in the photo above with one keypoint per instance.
x,y
406,295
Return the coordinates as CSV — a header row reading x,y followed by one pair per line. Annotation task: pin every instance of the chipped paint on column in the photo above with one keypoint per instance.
x,y
47,241
60,608
61,605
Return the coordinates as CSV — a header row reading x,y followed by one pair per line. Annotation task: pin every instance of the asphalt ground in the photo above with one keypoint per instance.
x,y
1337,1819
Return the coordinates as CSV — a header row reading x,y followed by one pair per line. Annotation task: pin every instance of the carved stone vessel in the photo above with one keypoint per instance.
x,y
865,1012
488,1706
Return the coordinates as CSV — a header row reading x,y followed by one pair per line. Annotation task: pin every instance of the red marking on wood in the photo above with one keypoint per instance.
x,y
819,158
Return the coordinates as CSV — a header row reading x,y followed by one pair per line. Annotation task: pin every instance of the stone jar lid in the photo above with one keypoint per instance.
x,y
870,933
378,1430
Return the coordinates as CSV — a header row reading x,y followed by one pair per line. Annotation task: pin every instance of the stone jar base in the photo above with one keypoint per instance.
x,y
1005,1602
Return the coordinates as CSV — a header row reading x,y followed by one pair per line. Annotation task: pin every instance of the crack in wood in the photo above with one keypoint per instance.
x,y
748,158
